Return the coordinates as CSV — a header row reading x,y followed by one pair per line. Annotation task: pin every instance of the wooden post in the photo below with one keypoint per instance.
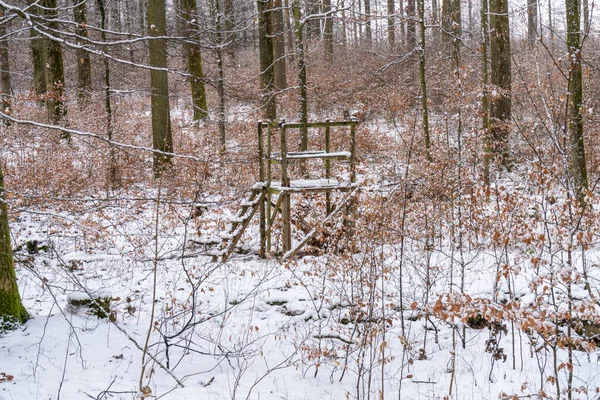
x,y
353,150
261,178
351,207
285,205
268,194
327,168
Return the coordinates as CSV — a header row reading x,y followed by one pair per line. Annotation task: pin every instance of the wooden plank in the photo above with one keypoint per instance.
x,y
233,242
272,220
298,125
310,234
327,167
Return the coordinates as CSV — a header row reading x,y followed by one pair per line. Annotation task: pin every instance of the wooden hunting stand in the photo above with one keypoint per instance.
x,y
266,190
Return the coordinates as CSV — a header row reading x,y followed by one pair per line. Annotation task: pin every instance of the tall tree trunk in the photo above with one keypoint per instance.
x,y
586,16
368,27
344,27
12,311
391,22
114,179
484,93
159,81
5,70
500,56
446,22
422,77
230,29
532,16
218,24
194,59
411,36
84,69
54,63
328,31
575,95
289,30
267,70
279,45
303,97
38,55
456,31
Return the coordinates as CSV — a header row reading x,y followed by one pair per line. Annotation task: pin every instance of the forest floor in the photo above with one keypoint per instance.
x,y
412,313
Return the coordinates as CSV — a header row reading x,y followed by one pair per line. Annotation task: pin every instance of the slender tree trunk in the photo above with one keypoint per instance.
x,y
12,311
344,28
84,69
402,17
391,22
368,27
424,107
303,97
411,38
279,45
586,16
328,31
38,54
194,59
267,70
532,23
231,35
113,176
289,30
575,123
54,64
5,70
218,23
159,81
484,94
500,58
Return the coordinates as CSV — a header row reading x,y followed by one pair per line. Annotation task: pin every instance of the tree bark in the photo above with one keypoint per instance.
x,y
194,59
501,79
279,45
422,77
218,24
532,16
575,123
38,55
161,116
267,70
12,311
230,29
302,90
5,67
368,27
55,70
328,31
391,25
411,38
84,69
484,93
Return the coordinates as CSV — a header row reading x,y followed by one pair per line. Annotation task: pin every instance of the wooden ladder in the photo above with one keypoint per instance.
x,y
242,219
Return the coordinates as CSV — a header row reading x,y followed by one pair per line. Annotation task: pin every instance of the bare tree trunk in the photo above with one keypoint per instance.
x,y
231,35
484,95
38,54
218,23
84,69
424,107
162,139
113,176
575,123
303,97
5,70
12,311
391,22
328,31
279,45
532,17
194,59
54,64
344,27
368,27
411,38
500,57
267,70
